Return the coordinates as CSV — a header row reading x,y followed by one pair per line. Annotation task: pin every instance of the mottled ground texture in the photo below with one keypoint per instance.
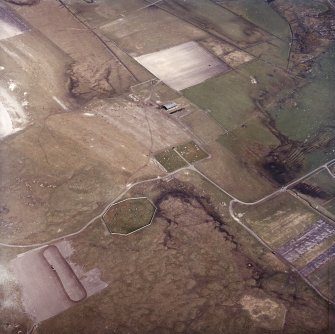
x,y
187,274
119,217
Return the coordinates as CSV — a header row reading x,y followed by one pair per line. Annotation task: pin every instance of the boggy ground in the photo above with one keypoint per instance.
x,y
188,273
193,270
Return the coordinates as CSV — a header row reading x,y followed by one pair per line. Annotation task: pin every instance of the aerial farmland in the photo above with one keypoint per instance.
x,y
167,166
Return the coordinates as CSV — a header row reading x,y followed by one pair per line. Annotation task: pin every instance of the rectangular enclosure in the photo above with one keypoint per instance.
x,y
183,66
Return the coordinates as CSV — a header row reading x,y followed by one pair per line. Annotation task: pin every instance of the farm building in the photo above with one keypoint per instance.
x,y
171,107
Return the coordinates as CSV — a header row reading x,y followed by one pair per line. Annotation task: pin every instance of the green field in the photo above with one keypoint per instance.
x,y
319,190
308,115
191,152
311,107
274,51
252,140
218,96
217,20
170,160
324,279
129,215
261,14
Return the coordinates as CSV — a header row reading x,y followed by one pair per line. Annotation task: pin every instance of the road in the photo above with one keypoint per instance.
x,y
285,188
194,169
167,176
237,220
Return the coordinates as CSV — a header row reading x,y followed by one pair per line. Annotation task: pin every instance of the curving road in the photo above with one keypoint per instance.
x,y
192,168
167,176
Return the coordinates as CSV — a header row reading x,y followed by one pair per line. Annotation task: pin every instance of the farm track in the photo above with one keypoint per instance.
x,y
168,176
231,212
189,167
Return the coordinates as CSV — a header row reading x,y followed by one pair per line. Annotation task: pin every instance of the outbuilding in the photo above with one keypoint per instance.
x,y
170,106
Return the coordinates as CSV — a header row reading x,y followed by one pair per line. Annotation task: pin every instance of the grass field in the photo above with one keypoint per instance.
x,y
274,51
219,95
131,31
129,215
191,152
251,141
324,279
170,160
278,219
319,190
312,107
307,114
282,219
217,20
102,12
260,14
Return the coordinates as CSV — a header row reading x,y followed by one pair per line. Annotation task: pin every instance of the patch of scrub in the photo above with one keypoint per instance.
x,y
236,58
266,312
12,115
315,7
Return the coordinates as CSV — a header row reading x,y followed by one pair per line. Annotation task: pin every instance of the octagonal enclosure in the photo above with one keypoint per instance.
x,y
129,215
